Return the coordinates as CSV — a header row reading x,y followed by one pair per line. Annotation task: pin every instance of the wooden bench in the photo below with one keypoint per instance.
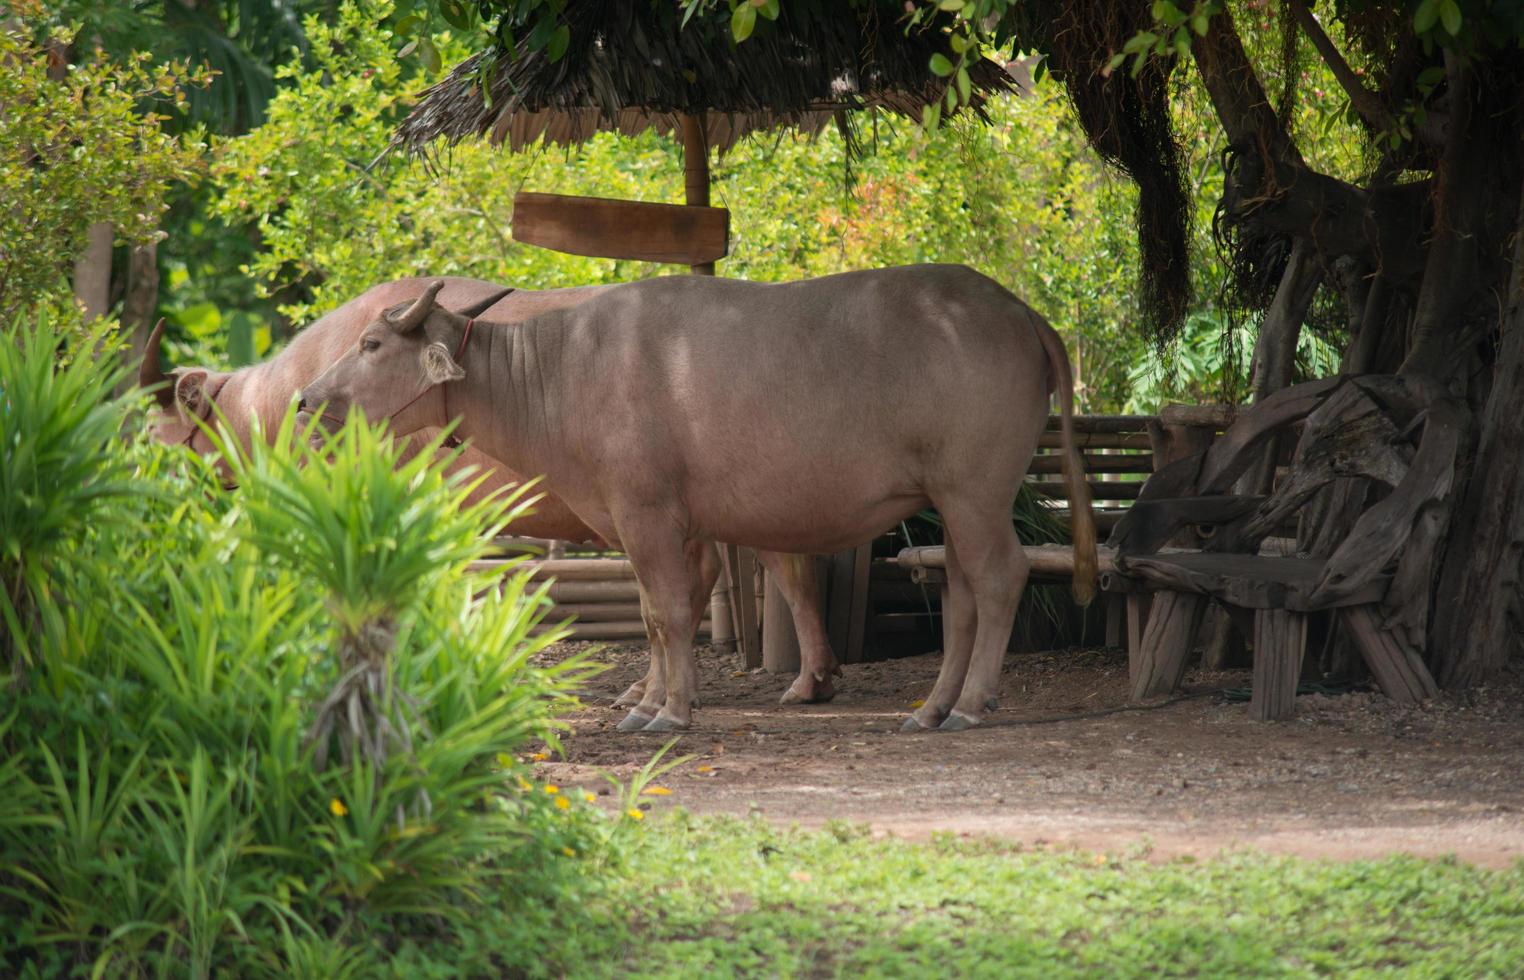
x,y
1393,439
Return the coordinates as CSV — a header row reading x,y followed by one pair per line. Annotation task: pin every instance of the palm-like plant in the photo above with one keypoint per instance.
x,y
58,481
379,535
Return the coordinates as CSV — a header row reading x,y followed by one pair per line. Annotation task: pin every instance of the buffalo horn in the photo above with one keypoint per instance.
x,y
410,319
150,373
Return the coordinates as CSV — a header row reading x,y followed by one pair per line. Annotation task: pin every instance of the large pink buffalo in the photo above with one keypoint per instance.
x,y
846,404
263,392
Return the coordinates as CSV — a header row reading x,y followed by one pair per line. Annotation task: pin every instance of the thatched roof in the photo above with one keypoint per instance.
x,y
632,66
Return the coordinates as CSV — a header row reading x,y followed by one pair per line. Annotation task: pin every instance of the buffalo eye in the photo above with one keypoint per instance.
x,y
369,344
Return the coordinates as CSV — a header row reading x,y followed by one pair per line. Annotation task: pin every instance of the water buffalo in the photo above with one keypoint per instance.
x,y
263,392
845,404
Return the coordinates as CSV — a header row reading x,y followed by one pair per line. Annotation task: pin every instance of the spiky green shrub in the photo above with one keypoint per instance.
x,y
162,811
59,484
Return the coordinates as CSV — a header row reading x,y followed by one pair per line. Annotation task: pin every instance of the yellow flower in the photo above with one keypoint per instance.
x,y
552,789
525,784
540,756
589,797
337,808
635,814
562,803
568,852
656,791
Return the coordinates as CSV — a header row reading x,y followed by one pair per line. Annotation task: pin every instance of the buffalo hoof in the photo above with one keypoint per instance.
x,y
958,722
914,724
634,722
809,690
665,723
631,696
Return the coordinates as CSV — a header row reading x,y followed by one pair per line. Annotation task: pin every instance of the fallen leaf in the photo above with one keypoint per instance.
x,y
917,702
656,791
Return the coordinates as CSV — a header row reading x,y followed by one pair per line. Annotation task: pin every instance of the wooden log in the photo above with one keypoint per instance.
x,y
620,591
1151,524
724,633
580,569
740,570
1166,644
1096,463
1199,416
1398,669
1236,449
611,630
857,635
1175,442
1098,440
696,183
1051,559
1116,619
1280,640
1099,489
639,230
1102,423
598,612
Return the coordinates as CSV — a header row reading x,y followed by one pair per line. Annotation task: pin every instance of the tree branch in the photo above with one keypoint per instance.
x,y
1367,103
1237,95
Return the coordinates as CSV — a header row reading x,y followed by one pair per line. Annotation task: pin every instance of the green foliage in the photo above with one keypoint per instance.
x,y
161,811
58,421
750,899
78,150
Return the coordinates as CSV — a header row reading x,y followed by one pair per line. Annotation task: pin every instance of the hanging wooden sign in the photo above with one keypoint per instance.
x,y
602,228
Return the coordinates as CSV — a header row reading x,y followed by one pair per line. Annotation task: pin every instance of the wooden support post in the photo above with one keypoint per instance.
x,y
780,642
1399,671
740,571
1116,615
696,174
724,638
1166,644
1280,639
1138,605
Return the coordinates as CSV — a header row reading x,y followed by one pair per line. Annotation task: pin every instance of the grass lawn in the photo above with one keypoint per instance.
x,y
721,897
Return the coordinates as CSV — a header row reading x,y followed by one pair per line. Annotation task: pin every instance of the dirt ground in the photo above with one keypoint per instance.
x,y
1066,762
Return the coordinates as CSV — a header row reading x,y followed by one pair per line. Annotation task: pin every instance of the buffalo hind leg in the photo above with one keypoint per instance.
x,y
996,570
959,621
795,576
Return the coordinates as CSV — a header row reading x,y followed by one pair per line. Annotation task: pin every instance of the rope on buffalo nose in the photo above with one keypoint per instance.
x,y
451,441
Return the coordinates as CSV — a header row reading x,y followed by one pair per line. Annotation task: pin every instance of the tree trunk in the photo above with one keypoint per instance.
x,y
1476,623
92,272
142,298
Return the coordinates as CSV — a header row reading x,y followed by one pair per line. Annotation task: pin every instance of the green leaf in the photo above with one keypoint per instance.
x,y
770,9
408,48
743,20
940,65
965,87
1431,76
1450,14
931,115
1425,16
951,5
456,14
1199,24
428,54
558,43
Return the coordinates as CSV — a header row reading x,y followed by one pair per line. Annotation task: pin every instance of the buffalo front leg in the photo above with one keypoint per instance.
x,y
709,573
996,569
959,621
795,577
669,572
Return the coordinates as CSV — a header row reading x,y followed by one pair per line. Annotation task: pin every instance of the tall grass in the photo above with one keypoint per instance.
x,y
163,809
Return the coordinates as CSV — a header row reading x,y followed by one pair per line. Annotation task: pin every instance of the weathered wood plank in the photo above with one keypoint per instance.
x,y
1399,670
647,232
622,590
780,642
1099,489
1251,581
1096,463
1199,416
1166,644
633,629
1151,524
1237,448
1097,440
1096,424
1280,640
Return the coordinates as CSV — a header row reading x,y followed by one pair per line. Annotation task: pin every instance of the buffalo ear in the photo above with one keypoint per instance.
x,y
439,366
190,393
